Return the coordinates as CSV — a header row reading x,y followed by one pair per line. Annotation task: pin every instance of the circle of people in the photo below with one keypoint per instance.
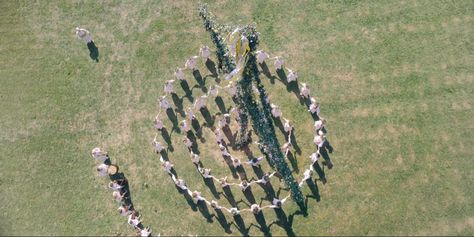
x,y
224,120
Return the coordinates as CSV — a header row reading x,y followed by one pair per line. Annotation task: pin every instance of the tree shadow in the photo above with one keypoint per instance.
x,y
211,66
220,104
212,187
166,136
201,82
187,91
207,116
293,161
93,51
172,117
222,221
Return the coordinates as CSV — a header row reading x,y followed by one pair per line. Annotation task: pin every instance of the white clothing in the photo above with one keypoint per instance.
x,y
314,157
261,56
314,108
179,182
195,158
158,123
145,232
124,211
215,205
99,155
134,221
219,135
164,103
255,162
167,166
304,90
205,52
169,87
188,142
236,162
213,91
276,111
117,196
197,197
200,102
157,145
244,186
292,76
222,123
234,211
83,34
115,186
278,63
318,125
185,126
190,114
191,63
255,208
206,173
319,140
307,175
179,74
287,126
102,169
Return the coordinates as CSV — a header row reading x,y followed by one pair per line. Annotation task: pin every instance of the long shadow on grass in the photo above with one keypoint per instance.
x,y
267,72
222,220
201,82
188,93
211,66
93,51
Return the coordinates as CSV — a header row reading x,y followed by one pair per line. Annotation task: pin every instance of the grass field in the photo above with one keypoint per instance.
x,y
395,79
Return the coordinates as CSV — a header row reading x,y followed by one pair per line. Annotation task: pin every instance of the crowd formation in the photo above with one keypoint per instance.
x,y
223,122
120,191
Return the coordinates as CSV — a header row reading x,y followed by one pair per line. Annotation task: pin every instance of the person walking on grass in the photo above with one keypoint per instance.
x,y
84,35
314,107
179,74
158,123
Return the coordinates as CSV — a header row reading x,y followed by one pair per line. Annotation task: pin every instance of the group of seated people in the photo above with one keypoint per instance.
x,y
120,192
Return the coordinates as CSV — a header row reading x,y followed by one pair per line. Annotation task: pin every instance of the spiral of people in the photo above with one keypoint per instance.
x,y
225,121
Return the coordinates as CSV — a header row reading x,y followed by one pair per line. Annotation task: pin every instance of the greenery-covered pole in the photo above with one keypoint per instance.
x,y
227,65
259,112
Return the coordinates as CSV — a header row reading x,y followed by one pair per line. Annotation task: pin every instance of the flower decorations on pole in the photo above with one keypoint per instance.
x,y
244,42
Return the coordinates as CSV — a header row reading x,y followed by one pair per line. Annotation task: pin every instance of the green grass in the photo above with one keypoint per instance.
x,y
395,79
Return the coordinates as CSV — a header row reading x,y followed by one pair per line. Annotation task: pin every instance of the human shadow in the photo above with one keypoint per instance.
x,y
178,102
279,124
267,73
283,222
295,143
314,189
229,196
207,116
220,104
195,148
293,162
282,76
204,210
211,66
257,170
229,163
201,82
93,51
212,187
197,127
222,220
325,155
241,171
320,172
189,200
188,93
172,117
166,136
249,195
240,225
230,136
260,218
